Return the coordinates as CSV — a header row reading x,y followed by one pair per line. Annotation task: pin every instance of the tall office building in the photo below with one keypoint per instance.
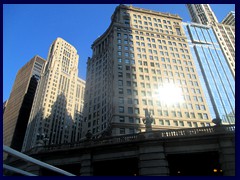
x,y
229,19
19,105
142,64
214,73
225,33
56,114
226,38
201,13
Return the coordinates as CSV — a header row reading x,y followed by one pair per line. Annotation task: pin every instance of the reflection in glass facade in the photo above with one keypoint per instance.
x,y
215,75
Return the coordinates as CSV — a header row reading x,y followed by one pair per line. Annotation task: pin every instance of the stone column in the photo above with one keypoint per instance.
x,y
152,161
86,165
227,156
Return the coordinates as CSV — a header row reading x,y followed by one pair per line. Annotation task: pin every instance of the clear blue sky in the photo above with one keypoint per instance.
x,y
28,30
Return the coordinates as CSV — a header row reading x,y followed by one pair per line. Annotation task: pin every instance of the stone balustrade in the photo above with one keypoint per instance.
x,y
161,134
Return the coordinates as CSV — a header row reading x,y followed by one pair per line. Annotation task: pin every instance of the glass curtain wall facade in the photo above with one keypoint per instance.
x,y
224,32
214,72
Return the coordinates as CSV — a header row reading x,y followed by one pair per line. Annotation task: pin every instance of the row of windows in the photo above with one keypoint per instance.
x,y
160,83
152,64
143,93
164,55
152,24
168,60
150,34
169,67
136,111
158,71
160,47
153,19
157,79
153,40
157,30
149,102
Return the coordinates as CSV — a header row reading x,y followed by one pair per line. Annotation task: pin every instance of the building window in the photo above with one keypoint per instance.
x,y
161,122
128,83
165,113
119,60
129,101
189,124
122,130
175,123
205,116
200,116
159,112
131,130
121,100
121,119
167,122
121,109
120,83
136,101
137,120
192,115
120,90
135,92
181,123
129,92
136,110
203,107
130,119
130,110
195,124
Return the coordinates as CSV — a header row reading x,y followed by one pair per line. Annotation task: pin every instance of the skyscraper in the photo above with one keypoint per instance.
x,y
19,105
56,113
142,64
213,70
229,19
202,14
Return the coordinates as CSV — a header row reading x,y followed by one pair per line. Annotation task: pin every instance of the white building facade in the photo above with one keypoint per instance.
x,y
57,108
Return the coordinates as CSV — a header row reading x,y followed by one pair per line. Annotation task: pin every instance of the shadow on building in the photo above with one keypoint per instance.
x,y
24,113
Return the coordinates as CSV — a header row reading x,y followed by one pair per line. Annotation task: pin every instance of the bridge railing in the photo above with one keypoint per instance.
x,y
172,133
27,158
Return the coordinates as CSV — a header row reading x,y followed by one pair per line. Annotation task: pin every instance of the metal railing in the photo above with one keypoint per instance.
x,y
160,134
32,160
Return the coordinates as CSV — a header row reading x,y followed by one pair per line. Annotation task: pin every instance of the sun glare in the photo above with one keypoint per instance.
x,y
170,94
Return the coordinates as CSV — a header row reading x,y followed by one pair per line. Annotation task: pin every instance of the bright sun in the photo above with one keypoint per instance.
x,y
170,94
